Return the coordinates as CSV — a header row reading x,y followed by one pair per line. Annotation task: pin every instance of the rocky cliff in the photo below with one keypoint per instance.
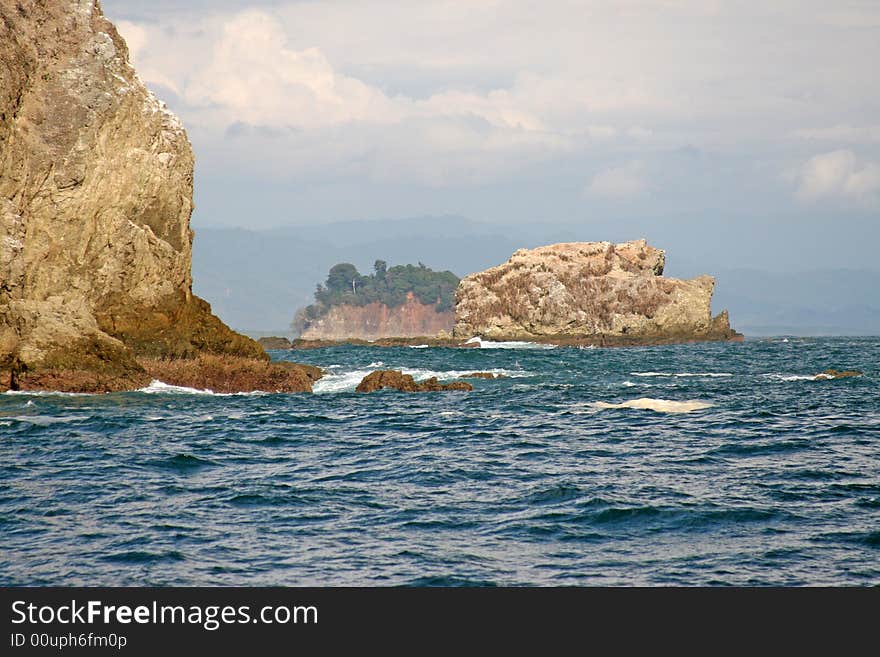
x,y
96,181
376,320
588,292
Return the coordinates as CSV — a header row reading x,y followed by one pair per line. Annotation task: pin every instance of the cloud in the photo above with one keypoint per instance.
x,y
460,93
842,133
620,182
838,174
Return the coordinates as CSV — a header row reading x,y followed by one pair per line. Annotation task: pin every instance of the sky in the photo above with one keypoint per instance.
x,y
749,132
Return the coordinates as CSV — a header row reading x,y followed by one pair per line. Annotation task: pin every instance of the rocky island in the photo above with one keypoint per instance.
x,y
96,181
405,301
588,293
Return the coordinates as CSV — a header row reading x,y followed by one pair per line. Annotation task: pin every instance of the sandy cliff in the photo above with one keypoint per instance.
x,y
376,320
96,183
595,292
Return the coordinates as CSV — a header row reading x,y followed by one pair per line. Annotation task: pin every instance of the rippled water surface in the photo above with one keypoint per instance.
x,y
559,473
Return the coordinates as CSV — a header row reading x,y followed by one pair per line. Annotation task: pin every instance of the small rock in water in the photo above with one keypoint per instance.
x,y
837,374
397,380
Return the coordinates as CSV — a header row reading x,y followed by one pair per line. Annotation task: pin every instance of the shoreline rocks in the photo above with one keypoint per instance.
x,y
224,374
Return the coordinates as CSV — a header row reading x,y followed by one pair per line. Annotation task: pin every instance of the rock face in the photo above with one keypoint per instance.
x,y
376,320
96,181
595,292
396,380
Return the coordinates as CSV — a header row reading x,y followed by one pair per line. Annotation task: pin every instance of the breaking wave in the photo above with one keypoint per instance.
x,y
683,374
514,344
157,387
658,405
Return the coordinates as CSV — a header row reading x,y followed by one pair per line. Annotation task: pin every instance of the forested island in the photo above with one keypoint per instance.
x,y
392,301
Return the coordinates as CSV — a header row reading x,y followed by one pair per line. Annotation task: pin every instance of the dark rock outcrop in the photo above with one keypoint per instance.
x,y
275,343
396,380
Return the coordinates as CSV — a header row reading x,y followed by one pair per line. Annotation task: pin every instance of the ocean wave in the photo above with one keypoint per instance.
x,y
348,381
514,344
46,420
684,374
658,405
790,377
158,387
345,382
419,346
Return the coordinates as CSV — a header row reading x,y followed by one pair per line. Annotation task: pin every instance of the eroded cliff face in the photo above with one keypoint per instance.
x,y
96,183
376,320
596,292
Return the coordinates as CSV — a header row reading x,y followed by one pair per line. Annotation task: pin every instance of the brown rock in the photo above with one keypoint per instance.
x,y
835,374
275,343
587,292
483,375
96,183
396,380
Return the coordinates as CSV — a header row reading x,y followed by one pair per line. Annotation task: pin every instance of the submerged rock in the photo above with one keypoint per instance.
x,y
396,380
588,293
96,181
836,374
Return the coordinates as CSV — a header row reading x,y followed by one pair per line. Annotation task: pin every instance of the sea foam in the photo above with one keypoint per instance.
x,y
514,344
658,405
157,387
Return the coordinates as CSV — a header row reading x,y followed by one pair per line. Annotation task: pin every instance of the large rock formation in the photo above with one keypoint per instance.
x,y
376,320
588,292
96,181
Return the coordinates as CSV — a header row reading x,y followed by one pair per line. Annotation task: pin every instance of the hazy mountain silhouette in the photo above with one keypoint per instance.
x,y
256,280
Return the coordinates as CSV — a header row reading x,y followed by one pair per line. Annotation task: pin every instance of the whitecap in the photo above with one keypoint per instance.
x,y
684,374
794,377
160,387
348,381
658,405
377,363
46,420
419,346
513,344
345,382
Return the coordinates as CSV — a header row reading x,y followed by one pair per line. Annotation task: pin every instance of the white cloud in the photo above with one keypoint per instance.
x,y
625,181
838,174
456,92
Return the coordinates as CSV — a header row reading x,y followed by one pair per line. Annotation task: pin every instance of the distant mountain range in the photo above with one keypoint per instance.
x,y
256,280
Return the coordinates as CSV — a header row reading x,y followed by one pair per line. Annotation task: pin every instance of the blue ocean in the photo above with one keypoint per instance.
x,y
707,464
